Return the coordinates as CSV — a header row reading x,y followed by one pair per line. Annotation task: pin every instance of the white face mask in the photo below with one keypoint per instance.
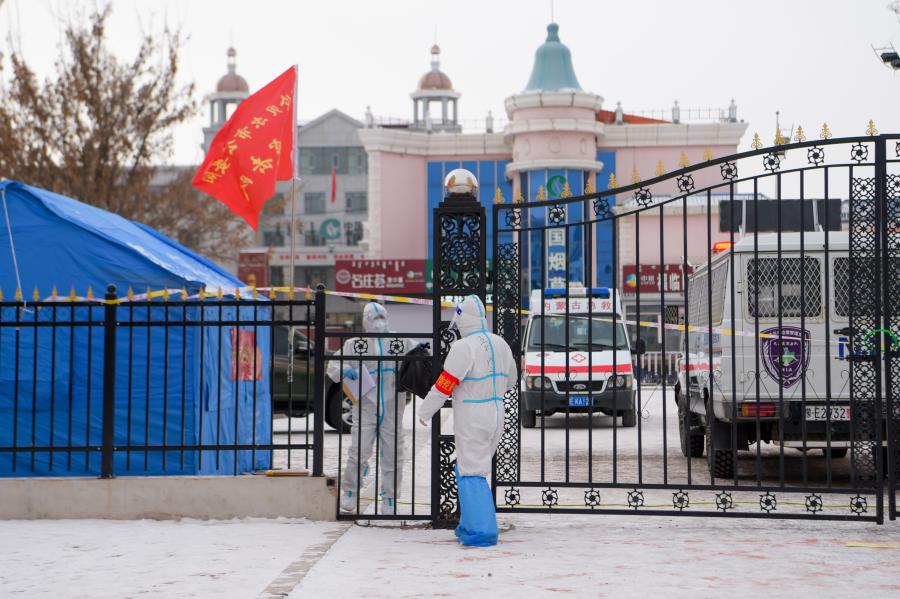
x,y
379,325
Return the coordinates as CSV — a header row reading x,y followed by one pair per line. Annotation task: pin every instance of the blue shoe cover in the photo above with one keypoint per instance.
x,y
478,518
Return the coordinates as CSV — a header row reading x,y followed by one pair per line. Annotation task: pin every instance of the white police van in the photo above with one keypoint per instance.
x,y
778,360
576,356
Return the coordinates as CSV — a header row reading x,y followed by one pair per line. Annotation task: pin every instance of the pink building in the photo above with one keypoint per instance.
x,y
556,134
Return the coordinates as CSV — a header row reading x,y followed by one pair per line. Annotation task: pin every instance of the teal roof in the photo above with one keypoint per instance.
x,y
553,69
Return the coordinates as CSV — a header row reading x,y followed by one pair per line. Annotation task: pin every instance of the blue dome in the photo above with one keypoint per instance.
x,y
553,69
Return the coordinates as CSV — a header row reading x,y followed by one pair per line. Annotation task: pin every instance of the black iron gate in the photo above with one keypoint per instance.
x,y
784,320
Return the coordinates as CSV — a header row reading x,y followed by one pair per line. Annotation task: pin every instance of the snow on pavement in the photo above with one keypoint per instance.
x,y
119,559
538,556
614,556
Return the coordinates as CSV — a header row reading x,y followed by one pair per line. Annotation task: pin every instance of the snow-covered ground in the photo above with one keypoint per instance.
x,y
117,559
538,556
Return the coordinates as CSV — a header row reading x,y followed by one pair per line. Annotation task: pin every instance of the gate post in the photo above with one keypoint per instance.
x,y
107,450
319,384
459,264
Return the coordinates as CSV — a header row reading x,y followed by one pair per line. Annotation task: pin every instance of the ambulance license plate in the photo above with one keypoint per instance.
x,y
821,413
579,401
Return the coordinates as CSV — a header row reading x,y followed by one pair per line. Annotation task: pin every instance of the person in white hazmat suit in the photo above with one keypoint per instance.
x,y
478,371
379,413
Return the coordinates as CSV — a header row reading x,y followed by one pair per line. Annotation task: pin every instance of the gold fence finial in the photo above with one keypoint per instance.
x,y
53,293
590,187
707,154
253,293
18,294
826,132
219,294
870,129
165,294
290,293
72,293
567,191
237,293
90,293
272,294
541,194
660,169
757,142
184,293
612,181
779,138
635,176
800,136
202,293
1,294
683,161
36,295
498,196
149,295
130,293
517,196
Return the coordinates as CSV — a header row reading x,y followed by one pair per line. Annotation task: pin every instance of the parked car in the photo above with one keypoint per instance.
x,y
295,398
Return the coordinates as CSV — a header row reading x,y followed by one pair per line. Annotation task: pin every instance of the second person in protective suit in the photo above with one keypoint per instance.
x,y
378,414
478,371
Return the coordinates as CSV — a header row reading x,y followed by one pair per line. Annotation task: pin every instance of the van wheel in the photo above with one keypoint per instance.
x,y
529,418
721,461
691,443
629,417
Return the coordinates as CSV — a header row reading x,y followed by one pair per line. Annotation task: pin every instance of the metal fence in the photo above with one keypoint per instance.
x,y
135,385
785,400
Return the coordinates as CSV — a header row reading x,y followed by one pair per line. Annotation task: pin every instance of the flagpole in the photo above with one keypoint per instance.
x,y
295,159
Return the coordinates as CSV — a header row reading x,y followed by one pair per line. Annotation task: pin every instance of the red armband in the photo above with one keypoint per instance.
x,y
446,382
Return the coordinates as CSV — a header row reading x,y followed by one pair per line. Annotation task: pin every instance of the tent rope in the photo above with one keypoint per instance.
x,y
12,245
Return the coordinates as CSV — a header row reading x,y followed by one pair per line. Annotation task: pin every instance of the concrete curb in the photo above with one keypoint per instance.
x,y
168,497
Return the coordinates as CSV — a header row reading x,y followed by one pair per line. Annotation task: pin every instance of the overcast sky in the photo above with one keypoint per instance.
x,y
811,59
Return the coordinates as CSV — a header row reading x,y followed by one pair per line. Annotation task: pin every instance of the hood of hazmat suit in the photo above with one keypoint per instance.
x,y
478,371
375,318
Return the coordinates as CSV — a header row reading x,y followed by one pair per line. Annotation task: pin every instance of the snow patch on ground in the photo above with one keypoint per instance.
x,y
613,556
145,558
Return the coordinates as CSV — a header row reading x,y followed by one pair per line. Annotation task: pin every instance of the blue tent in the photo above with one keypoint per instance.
x,y
186,385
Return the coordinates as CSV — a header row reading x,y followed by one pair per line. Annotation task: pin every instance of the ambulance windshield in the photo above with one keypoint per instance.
x,y
595,334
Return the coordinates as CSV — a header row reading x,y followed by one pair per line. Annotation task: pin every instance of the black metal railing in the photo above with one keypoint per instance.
x,y
158,385
783,399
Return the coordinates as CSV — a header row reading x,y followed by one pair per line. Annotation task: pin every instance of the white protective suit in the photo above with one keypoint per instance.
x,y
484,366
379,413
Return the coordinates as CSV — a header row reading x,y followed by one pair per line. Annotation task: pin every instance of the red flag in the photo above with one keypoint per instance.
x,y
252,151
333,183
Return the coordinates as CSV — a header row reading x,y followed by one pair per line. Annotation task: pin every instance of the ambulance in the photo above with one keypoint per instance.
x,y
576,356
777,355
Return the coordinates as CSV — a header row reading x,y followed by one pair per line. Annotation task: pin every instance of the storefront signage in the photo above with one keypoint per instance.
x,y
380,276
318,258
652,278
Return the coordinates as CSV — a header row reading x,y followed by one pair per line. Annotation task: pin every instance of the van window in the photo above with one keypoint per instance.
x,y
763,287
864,268
841,286
698,297
600,333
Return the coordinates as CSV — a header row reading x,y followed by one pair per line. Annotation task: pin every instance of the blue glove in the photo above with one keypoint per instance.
x,y
350,373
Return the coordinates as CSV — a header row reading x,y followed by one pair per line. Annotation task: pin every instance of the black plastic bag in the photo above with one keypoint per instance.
x,y
417,375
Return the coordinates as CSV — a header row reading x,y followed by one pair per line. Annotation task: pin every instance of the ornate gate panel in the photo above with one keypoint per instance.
x,y
773,292
459,269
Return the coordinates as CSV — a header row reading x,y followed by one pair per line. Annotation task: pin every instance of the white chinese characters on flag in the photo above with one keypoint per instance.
x,y
252,150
